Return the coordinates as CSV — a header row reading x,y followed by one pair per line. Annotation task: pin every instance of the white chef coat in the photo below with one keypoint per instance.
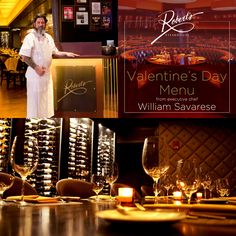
x,y
40,103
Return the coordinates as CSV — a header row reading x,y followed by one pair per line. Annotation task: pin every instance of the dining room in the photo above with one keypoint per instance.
x,y
13,85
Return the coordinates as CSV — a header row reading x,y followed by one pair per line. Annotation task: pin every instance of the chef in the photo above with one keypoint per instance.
x,y
36,51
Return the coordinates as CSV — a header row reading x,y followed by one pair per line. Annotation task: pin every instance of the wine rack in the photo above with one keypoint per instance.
x,y
47,131
5,133
106,152
80,148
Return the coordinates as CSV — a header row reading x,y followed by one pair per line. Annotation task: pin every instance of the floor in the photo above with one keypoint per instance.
x,y
12,101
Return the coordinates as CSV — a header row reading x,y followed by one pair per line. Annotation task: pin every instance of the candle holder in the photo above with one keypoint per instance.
x,y
125,196
199,196
177,195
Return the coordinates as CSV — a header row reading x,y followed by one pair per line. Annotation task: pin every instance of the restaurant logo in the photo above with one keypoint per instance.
x,y
71,87
172,21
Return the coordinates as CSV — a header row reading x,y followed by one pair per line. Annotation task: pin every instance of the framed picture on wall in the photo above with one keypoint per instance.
x,y
106,22
96,8
80,1
68,13
95,23
82,18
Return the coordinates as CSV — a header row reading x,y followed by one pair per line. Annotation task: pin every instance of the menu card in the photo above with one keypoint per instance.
x,y
177,60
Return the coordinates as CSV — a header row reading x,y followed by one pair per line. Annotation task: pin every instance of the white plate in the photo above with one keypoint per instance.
x,y
141,216
69,198
214,201
102,197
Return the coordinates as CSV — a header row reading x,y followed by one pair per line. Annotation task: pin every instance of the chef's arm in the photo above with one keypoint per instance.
x,y
67,54
39,69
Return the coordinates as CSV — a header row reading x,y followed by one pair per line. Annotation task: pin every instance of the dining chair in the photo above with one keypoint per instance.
x,y
147,190
15,70
3,71
15,189
74,187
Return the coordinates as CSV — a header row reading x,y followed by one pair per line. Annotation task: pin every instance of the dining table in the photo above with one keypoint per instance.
x,y
180,59
91,217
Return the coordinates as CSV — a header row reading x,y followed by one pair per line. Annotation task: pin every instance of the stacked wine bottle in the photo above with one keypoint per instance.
x,y
80,149
46,175
106,153
5,127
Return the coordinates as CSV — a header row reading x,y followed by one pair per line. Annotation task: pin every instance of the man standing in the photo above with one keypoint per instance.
x,y
36,51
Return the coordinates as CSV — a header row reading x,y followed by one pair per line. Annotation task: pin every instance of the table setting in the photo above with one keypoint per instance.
x,y
178,204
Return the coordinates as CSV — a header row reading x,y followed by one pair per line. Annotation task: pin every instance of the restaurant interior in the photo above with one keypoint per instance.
x,y
91,39
210,142
209,47
100,167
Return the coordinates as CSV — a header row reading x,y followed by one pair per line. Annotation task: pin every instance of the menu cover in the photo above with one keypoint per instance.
x,y
177,58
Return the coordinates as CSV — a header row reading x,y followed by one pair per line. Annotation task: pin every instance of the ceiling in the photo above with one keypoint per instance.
x,y
19,13
10,9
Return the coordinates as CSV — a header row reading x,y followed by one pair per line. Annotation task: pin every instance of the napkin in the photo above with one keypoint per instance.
x,y
18,198
33,199
42,199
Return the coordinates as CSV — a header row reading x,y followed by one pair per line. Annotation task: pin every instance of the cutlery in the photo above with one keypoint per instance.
x,y
139,206
122,210
196,215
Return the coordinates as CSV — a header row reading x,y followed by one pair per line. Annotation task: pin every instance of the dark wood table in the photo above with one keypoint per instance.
x,y
71,219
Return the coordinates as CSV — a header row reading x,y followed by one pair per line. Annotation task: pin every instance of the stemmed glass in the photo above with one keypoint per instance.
x,y
168,183
211,188
188,181
24,158
206,177
223,187
112,176
98,184
6,180
155,160
206,182
188,186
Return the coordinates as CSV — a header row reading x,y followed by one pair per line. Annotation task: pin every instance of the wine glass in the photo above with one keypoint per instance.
x,y
206,177
112,175
206,183
188,180
24,158
167,183
223,187
188,186
211,188
155,160
97,184
6,180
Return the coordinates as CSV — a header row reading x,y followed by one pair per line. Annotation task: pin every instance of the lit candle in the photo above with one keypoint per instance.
x,y
177,195
125,195
199,196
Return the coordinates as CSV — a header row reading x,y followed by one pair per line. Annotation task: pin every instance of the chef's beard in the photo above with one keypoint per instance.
x,y
41,31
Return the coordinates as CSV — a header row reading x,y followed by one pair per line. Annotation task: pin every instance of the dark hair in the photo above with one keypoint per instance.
x,y
40,16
